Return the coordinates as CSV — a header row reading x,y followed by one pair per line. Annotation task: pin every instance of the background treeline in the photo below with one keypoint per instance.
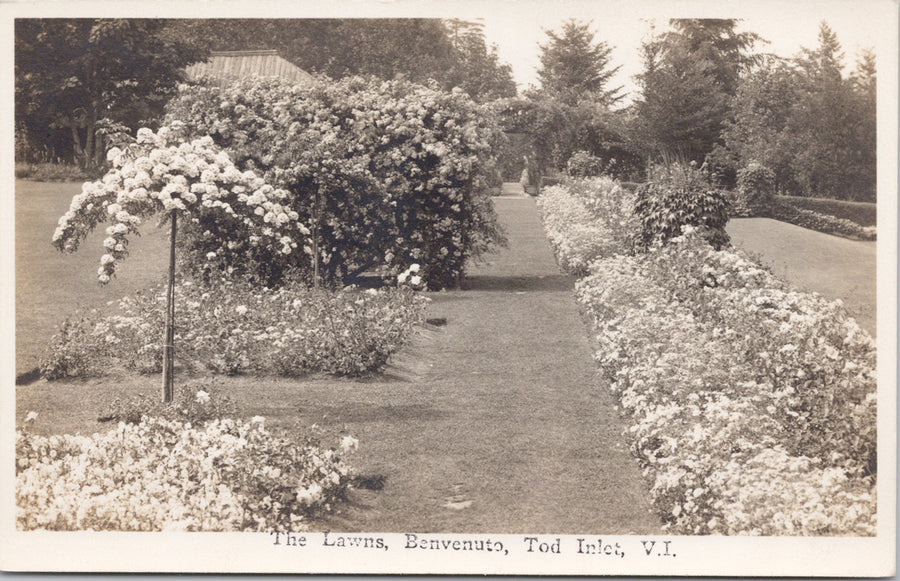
x,y
80,81
708,92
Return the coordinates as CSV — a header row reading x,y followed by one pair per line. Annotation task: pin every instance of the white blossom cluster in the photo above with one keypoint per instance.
x,y
161,173
169,475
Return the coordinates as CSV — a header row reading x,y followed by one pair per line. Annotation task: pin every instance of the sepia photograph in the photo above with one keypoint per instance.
x,y
502,287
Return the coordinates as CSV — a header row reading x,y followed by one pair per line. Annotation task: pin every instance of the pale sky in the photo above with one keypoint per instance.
x,y
517,27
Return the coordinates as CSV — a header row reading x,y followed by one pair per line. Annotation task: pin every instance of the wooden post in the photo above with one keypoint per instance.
x,y
169,347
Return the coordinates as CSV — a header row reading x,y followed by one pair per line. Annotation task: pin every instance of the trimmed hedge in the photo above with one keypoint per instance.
x,y
821,222
863,213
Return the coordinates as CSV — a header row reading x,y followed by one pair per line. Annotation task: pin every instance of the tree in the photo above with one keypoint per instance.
x,y
575,67
690,74
756,131
477,70
161,173
72,73
831,127
716,41
450,52
814,128
681,107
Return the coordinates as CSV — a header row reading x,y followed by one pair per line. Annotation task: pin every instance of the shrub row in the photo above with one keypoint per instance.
x,y
585,226
232,327
169,474
751,407
822,222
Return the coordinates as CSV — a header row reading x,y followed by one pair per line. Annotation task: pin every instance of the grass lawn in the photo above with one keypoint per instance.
x,y
50,285
835,267
494,423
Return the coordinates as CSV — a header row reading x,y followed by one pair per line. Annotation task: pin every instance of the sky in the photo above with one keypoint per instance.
x,y
517,27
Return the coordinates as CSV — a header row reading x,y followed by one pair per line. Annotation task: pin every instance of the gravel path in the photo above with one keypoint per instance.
x,y
834,267
514,433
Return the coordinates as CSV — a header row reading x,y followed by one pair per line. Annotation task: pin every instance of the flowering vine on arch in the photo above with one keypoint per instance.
x,y
161,173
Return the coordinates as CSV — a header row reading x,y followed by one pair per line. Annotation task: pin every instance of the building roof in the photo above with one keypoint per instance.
x,y
224,67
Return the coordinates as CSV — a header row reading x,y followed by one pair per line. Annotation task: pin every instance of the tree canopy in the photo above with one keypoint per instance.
x,y
71,73
690,74
811,124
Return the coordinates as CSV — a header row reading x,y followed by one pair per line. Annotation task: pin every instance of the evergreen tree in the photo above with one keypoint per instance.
x,y
823,124
477,69
809,123
690,75
574,66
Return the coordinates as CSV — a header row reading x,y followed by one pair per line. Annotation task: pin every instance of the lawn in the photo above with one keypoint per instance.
x,y
491,423
50,285
834,267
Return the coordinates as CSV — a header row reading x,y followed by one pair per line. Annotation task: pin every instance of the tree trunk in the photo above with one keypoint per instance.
x,y
89,141
76,141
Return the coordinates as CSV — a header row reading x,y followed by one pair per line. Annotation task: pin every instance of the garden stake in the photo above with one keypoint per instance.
x,y
169,350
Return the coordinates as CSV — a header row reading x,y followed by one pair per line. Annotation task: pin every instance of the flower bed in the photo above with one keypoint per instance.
x,y
751,407
232,327
162,474
586,220
862,213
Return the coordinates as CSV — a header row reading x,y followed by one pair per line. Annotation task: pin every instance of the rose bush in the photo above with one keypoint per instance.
x,y
387,173
751,407
231,326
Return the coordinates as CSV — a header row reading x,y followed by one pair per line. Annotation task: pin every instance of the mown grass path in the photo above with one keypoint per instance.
x,y
836,268
506,429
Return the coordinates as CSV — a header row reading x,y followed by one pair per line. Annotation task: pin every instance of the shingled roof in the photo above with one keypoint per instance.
x,y
224,67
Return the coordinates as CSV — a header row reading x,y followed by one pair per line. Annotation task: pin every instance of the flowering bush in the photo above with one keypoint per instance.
x,y
752,407
236,327
386,172
195,402
162,474
162,172
411,278
710,397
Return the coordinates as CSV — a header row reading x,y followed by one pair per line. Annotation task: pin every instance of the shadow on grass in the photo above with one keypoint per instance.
x,y
557,282
363,412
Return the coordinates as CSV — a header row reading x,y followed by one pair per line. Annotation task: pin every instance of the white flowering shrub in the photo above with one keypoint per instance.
x,y
163,172
751,407
235,327
399,171
159,474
